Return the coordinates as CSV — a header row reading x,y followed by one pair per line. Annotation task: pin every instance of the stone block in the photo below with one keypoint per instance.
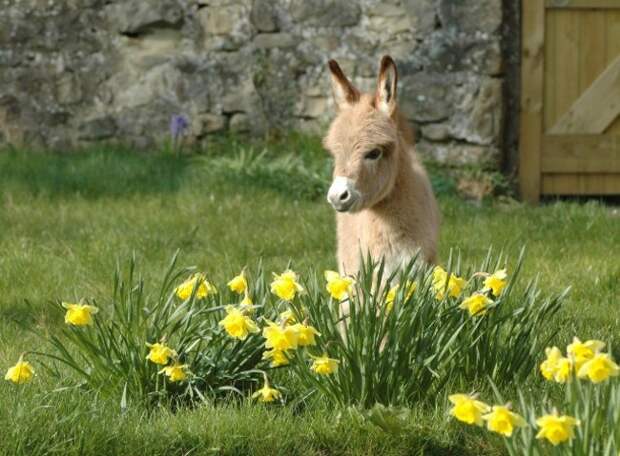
x,y
325,13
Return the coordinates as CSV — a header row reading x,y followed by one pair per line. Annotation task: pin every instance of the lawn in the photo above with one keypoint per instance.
x,y
67,220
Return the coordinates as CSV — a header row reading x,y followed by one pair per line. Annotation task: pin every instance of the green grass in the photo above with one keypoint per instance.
x,y
65,222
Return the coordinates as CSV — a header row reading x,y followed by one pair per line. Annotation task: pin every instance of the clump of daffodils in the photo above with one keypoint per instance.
x,y
199,282
444,283
584,359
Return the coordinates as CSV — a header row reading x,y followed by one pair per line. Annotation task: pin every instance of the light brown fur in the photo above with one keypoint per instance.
x,y
395,214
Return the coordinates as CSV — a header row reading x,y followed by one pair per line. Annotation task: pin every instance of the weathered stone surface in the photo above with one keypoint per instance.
x,y
470,16
425,97
240,123
264,16
97,129
456,154
89,70
325,13
137,16
274,40
478,113
436,132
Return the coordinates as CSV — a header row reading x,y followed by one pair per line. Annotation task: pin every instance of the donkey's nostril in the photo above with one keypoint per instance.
x,y
344,195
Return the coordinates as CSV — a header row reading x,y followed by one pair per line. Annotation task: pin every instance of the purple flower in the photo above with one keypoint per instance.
x,y
178,125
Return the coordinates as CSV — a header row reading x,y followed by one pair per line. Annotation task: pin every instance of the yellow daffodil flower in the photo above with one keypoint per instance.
x,y
266,393
580,352
323,365
305,334
453,283
247,302
287,317
176,372
20,373
549,366
204,287
468,409
285,285
391,294
503,421
556,429
238,284
237,324
79,314
339,287
476,304
599,368
159,353
496,282
277,357
280,337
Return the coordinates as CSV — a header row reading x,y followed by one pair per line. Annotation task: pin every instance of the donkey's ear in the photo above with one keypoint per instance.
x,y
344,92
385,95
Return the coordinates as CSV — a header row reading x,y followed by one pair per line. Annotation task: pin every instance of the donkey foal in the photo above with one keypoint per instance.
x,y
382,193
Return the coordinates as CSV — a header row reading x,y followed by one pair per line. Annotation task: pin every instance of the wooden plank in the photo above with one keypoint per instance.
x,y
552,61
581,184
613,51
589,4
532,83
597,108
561,59
581,154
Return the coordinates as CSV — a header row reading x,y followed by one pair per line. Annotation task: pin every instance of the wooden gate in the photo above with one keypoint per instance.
x,y
570,98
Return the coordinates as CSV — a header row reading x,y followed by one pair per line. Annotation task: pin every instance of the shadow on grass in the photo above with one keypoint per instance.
x,y
95,174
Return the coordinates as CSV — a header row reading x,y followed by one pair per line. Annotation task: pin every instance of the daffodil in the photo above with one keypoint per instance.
x,y
237,324
285,285
549,366
324,365
556,429
277,357
246,302
441,282
266,393
79,314
238,284
503,421
20,373
176,372
476,304
339,287
599,368
280,337
305,334
287,317
468,409
159,353
580,352
496,282
391,294
203,287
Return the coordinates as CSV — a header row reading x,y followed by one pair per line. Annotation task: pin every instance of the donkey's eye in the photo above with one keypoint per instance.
x,y
373,154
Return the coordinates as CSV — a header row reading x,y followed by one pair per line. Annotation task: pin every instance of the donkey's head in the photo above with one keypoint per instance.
x,y
363,138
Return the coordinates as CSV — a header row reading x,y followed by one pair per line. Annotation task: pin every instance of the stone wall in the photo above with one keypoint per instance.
x,y
73,72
